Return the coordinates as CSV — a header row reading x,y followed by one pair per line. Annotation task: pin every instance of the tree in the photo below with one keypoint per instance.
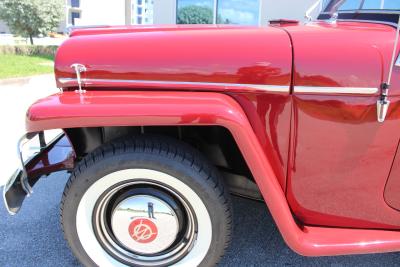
x,y
31,18
195,15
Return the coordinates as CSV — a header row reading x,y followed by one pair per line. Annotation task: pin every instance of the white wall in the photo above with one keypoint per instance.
x,y
102,12
3,27
164,12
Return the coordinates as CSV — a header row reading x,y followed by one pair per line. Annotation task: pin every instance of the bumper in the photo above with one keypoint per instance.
x,y
55,156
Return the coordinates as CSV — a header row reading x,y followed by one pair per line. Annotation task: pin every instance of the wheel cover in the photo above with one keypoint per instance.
x,y
145,224
142,238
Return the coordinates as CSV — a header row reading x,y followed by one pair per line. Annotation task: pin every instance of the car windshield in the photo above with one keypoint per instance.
x,y
361,6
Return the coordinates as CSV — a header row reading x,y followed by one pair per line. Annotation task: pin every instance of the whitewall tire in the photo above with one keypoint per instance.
x,y
126,205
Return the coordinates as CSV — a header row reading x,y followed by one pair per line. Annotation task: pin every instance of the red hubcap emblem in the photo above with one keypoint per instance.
x,y
143,230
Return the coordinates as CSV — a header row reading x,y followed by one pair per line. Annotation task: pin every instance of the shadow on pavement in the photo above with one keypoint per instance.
x,y
34,237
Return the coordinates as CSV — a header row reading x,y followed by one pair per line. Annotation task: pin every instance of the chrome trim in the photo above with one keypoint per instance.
x,y
368,21
7,187
382,107
135,259
309,11
147,208
383,102
336,90
24,178
261,87
398,61
364,11
79,68
21,173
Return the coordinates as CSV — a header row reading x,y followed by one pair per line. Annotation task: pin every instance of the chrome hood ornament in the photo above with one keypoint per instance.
x,y
79,68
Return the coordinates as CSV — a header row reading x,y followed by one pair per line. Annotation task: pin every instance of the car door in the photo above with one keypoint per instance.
x,y
341,155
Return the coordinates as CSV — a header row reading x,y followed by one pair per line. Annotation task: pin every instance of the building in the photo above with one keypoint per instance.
x,y
247,12
142,12
80,13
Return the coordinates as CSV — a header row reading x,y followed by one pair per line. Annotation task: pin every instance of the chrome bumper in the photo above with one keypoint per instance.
x,y
20,184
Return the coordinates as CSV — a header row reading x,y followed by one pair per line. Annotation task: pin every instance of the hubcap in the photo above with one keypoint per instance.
x,y
145,224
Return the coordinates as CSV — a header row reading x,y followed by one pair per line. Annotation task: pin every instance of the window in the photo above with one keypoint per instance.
x,y
75,3
244,12
142,12
195,12
351,5
75,15
381,4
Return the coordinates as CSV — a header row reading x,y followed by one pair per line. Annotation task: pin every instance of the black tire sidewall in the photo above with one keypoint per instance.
x,y
203,186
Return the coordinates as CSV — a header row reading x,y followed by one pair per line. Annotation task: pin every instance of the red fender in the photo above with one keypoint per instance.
x,y
101,108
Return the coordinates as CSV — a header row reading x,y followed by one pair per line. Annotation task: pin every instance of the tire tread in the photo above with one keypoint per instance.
x,y
168,147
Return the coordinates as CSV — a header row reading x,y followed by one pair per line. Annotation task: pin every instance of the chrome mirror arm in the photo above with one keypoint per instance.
x,y
383,102
312,9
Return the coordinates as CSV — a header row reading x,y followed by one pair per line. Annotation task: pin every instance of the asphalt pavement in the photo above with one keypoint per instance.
x,y
34,237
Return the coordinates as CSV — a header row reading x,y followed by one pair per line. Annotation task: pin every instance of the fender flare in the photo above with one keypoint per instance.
x,y
122,108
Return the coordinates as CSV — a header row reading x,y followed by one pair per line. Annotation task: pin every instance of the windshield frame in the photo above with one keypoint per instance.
x,y
385,16
359,10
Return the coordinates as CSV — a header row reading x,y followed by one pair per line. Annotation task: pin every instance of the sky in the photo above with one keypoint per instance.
x,y
236,11
370,4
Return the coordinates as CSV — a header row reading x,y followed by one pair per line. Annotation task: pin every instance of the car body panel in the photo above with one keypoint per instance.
x,y
269,115
299,100
342,155
102,108
167,58
341,54
392,187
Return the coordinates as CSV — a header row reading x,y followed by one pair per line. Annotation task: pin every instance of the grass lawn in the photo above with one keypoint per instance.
x,y
20,66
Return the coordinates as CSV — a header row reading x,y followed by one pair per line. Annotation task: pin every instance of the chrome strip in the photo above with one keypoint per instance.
x,y
262,87
398,62
336,90
364,11
363,20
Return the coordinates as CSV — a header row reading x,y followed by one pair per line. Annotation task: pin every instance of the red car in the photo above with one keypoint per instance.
x,y
160,125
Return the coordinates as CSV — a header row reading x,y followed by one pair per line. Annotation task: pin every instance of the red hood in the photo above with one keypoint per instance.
x,y
185,54
344,54
144,28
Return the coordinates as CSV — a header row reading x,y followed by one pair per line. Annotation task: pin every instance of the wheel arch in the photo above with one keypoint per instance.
x,y
70,110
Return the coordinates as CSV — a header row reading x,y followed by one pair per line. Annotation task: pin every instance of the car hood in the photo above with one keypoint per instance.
x,y
194,57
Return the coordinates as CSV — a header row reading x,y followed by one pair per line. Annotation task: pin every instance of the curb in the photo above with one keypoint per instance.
x,y
22,80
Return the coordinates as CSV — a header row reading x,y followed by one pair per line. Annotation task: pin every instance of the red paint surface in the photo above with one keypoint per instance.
x,y
57,157
224,54
345,54
69,110
392,188
270,115
338,157
341,155
143,230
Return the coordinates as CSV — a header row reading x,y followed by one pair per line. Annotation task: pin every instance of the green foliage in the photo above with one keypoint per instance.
x,y
31,18
195,15
29,50
21,66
